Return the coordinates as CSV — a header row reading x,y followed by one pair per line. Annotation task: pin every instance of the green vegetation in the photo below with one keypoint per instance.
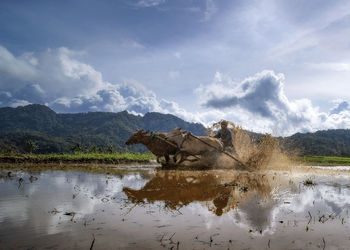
x,y
31,146
107,158
38,129
333,142
309,182
324,160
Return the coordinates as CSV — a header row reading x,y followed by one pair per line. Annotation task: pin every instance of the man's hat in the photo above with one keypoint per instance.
x,y
223,122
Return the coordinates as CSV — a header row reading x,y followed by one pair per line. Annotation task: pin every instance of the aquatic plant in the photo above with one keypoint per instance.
x,y
309,182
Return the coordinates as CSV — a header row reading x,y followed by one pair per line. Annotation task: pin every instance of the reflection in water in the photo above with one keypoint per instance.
x,y
224,190
219,209
248,195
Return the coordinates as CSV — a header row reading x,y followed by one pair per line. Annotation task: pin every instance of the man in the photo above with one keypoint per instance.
x,y
225,135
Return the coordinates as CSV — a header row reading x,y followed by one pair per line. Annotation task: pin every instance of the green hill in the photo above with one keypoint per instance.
x,y
333,142
57,133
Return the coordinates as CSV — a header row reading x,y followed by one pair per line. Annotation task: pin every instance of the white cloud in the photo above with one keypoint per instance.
x,y
174,74
330,66
149,3
177,55
129,43
260,104
62,81
19,68
339,106
16,103
210,10
68,85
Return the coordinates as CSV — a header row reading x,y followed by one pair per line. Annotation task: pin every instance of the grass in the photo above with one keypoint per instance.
x,y
324,160
309,182
107,158
118,158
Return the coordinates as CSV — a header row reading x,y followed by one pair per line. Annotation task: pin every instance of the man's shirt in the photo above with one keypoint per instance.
x,y
225,136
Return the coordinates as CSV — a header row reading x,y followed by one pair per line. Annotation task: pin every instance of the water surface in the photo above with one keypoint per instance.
x,y
156,209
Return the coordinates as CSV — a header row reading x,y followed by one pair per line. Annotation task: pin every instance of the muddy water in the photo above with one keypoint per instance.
x,y
156,209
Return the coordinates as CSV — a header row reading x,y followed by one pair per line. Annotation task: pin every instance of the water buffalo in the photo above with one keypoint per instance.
x,y
191,145
153,143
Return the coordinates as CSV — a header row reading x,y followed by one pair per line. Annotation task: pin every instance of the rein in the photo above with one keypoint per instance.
x,y
155,135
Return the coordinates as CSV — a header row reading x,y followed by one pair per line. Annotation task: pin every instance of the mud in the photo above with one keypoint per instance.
x,y
252,152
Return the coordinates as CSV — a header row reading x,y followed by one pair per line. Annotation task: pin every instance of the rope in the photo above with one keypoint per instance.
x,y
155,135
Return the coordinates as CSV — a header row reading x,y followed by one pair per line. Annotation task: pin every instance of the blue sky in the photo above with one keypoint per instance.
x,y
271,66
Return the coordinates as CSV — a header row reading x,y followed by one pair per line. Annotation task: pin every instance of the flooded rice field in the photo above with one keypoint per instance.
x,y
168,209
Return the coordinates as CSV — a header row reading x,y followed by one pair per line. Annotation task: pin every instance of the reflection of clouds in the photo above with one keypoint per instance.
x,y
254,210
55,189
260,214
13,210
135,181
334,198
256,214
298,202
211,220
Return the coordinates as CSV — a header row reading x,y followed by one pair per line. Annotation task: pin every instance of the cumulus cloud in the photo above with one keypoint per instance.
x,y
61,80
339,106
260,103
57,77
21,68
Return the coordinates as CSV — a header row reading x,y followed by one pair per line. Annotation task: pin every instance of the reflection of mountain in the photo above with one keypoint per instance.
x,y
221,189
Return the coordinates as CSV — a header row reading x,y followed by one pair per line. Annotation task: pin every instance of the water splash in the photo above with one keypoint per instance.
x,y
256,151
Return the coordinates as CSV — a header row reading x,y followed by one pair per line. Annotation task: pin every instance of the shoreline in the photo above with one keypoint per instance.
x,y
128,160
85,167
79,158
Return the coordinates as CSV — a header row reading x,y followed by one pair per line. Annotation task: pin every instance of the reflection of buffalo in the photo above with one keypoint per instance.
x,y
225,190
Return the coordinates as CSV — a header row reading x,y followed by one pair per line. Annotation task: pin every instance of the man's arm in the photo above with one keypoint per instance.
x,y
218,134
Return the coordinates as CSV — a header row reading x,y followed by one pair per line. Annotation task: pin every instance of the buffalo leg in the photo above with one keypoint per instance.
x,y
181,159
166,158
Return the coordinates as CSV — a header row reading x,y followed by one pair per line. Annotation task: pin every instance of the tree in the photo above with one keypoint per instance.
x,y
110,149
77,147
93,149
31,146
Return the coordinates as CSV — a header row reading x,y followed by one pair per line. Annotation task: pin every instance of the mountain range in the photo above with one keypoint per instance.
x,y
58,133
53,132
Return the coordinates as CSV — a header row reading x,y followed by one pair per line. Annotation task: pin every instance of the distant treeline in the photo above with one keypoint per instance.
x,y
333,142
38,129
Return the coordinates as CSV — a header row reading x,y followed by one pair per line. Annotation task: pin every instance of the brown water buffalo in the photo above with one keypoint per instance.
x,y
191,145
153,143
